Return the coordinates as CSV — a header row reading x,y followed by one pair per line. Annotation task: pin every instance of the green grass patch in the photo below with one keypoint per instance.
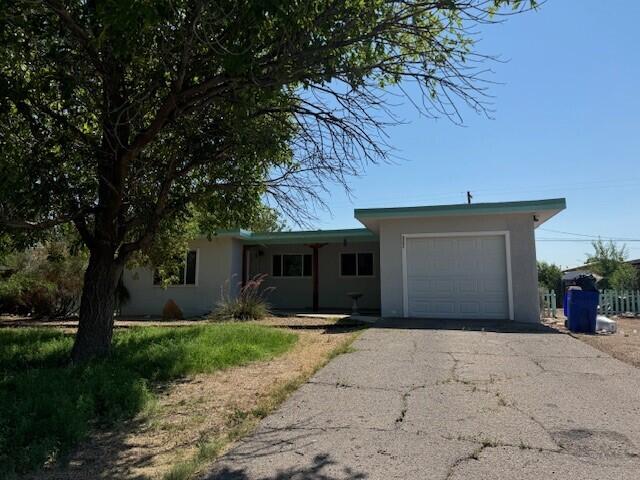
x,y
47,406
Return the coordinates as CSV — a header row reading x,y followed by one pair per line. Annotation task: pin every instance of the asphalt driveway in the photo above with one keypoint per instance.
x,y
493,402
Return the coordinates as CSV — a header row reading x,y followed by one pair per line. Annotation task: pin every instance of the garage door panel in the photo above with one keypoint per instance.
x,y
431,287
493,285
470,308
457,277
469,287
435,308
494,308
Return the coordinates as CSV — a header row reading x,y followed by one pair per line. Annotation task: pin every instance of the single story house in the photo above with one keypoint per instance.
x,y
467,261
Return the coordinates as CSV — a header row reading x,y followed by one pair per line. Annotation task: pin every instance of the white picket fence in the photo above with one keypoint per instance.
x,y
611,302
616,302
548,304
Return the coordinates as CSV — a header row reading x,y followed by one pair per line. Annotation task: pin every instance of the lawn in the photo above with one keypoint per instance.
x,y
47,407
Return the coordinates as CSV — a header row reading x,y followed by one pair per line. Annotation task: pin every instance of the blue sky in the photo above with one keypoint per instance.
x,y
565,125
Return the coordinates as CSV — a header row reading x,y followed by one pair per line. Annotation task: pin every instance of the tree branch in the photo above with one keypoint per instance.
x,y
77,32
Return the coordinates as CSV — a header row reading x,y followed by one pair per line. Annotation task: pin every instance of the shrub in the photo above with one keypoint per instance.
x,y
249,303
625,277
550,276
47,282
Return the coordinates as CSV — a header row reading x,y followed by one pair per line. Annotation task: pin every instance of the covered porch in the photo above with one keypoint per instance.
x,y
316,271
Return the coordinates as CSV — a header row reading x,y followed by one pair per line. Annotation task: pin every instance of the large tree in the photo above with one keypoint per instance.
x,y
122,116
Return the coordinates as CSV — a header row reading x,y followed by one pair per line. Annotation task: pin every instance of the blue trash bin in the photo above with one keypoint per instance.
x,y
582,311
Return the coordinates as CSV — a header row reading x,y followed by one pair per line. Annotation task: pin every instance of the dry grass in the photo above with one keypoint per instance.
x,y
70,324
195,420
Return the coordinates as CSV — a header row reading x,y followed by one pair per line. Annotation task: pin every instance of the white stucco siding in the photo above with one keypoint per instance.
x,y
219,264
522,255
297,292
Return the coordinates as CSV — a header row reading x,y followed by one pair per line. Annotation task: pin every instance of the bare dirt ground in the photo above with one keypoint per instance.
x,y
201,409
623,345
15,321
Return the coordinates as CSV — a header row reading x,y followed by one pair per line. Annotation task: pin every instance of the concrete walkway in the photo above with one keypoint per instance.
x,y
449,404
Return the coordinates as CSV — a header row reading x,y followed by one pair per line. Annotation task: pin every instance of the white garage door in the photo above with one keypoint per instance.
x,y
456,277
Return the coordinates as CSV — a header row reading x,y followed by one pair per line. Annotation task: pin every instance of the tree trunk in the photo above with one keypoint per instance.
x,y
97,305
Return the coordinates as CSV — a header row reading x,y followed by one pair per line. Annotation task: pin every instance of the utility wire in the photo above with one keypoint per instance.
x,y
595,237
460,194
586,240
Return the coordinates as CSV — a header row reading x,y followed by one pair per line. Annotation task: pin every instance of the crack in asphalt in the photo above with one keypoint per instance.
x,y
475,352
481,386
502,402
340,384
405,403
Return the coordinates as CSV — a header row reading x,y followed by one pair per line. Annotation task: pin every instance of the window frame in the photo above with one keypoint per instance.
x,y
182,285
282,255
357,275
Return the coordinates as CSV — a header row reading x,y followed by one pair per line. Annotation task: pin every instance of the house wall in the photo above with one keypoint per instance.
x,y
219,265
523,257
297,292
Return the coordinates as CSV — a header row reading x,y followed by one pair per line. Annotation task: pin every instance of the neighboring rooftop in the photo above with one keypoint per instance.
x,y
587,266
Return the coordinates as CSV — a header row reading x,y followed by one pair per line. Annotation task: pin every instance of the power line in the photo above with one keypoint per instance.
x,y
529,188
595,237
586,240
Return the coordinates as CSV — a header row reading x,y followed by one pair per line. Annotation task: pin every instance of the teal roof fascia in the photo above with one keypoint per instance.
x,y
305,236
352,234
462,209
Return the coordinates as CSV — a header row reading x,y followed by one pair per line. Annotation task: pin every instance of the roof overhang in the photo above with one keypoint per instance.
x,y
542,210
301,237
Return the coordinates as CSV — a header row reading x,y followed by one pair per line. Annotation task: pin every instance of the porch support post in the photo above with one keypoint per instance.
x,y
315,274
245,251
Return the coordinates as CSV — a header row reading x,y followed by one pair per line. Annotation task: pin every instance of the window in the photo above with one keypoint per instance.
x,y
356,264
187,272
292,265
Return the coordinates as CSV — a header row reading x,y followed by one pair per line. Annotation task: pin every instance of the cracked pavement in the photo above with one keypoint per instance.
x,y
452,400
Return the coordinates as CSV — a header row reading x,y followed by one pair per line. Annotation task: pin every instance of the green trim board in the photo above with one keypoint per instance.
x,y
552,204
304,236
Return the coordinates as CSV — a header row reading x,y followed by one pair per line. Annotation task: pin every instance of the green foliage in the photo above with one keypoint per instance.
x,y
606,258
265,219
46,281
249,304
207,99
550,276
46,406
125,118
625,277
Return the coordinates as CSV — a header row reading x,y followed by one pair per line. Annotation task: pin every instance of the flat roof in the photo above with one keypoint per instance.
x,y
462,209
301,236
370,216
